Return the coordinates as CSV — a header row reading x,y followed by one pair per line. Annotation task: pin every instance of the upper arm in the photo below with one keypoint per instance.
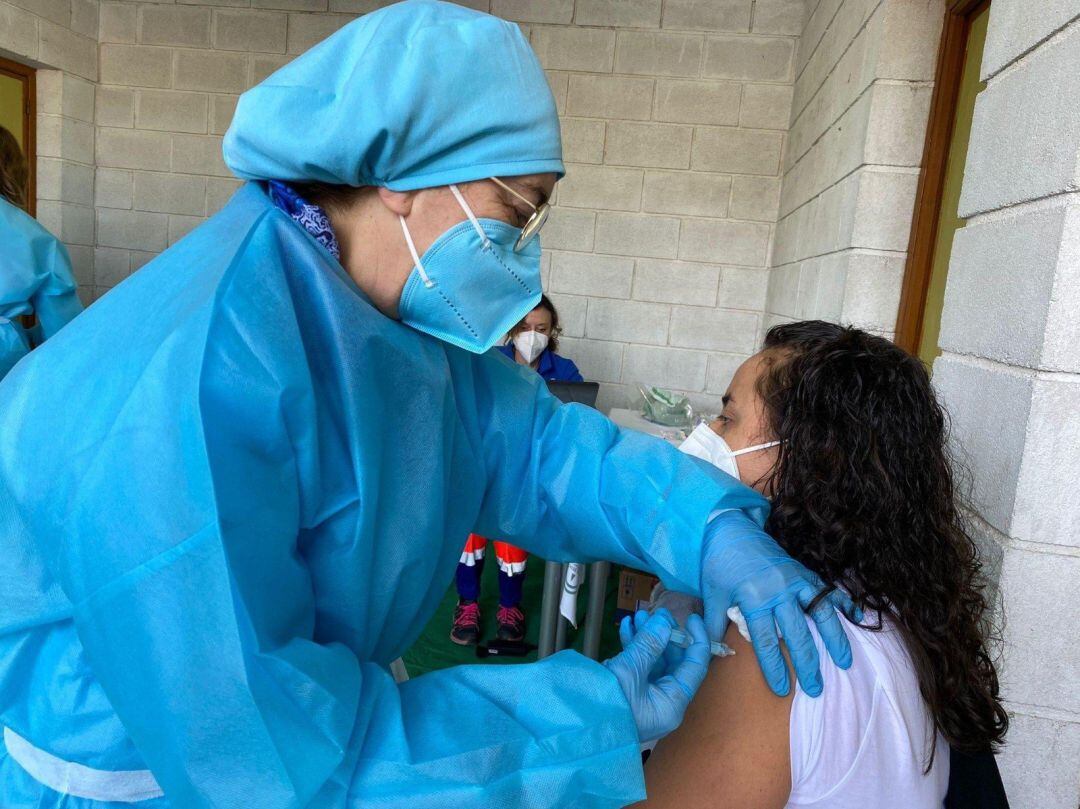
x,y
732,749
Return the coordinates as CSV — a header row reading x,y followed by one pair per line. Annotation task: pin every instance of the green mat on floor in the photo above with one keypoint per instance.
x,y
434,650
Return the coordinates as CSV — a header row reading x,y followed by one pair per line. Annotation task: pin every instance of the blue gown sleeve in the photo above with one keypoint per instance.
x,y
568,484
12,344
55,303
203,632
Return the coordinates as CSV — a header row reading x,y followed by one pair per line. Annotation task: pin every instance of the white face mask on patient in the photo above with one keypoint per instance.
x,y
705,444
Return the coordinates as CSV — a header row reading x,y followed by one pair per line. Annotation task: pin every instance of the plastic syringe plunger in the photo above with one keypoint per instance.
x,y
716,648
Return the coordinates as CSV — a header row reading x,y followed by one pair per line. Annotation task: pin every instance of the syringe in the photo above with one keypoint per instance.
x,y
716,648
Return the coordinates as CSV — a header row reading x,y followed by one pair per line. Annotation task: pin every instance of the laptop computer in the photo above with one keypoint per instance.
x,y
579,392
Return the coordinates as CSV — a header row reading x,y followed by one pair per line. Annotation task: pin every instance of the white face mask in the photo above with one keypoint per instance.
x,y
705,444
530,344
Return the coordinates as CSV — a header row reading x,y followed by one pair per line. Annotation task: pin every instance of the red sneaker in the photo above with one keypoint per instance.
x,y
466,628
511,623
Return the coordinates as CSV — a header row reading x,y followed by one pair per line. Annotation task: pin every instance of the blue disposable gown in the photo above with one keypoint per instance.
x,y
208,572
35,278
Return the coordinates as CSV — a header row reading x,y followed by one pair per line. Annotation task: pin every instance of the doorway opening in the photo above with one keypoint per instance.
x,y
18,103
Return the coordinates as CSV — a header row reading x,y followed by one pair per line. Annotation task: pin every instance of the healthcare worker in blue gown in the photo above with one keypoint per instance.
x,y
35,271
286,424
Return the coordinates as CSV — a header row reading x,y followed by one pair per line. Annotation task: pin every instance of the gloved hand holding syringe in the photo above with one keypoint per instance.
x,y
716,648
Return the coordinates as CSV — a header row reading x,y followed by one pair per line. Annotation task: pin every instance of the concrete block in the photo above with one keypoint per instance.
x,y
571,309
250,31
198,154
627,321
744,243
18,32
82,264
1014,29
558,82
56,11
222,108
145,66
140,259
896,131
650,145
49,178
77,141
676,282
601,187
872,290
585,49
656,53
965,386
211,71
588,274
755,198
306,30
885,202
50,214
743,288
618,13
722,368
749,58
291,5
50,91
552,11
78,98
697,102
819,14
742,151
569,229
598,360
181,226
1040,762
1040,592
364,6
111,266
628,234
115,106
1024,138
1062,325
1047,509
50,136
170,193
186,26
134,230
665,367
689,193
132,149
77,224
68,51
118,22
610,97
830,290
170,111
908,44
263,65
713,329
73,181
779,17
766,106
583,140
218,192
113,189
714,15
986,312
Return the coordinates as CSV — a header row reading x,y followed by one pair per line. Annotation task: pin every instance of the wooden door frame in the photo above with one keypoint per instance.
x,y
939,133
29,77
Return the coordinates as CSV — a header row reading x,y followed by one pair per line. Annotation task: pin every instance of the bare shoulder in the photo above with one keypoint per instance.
x,y
732,749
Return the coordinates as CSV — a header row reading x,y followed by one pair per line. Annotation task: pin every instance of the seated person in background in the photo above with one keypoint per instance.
x,y
533,342
843,432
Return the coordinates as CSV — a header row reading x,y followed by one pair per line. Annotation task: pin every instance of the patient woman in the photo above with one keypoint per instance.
x,y
862,493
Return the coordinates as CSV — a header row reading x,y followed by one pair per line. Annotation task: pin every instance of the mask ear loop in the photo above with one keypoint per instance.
x,y
755,448
412,250
472,217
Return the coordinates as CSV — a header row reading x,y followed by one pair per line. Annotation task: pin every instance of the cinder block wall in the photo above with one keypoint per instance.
x,y
673,115
1010,376
59,37
864,78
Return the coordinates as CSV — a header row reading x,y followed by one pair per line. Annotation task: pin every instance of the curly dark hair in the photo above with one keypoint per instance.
x,y
864,495
14,173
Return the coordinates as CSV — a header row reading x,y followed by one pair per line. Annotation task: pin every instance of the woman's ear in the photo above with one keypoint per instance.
x,y
398,203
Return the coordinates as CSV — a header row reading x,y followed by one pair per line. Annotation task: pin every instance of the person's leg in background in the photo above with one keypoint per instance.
x,y
466,626
510,618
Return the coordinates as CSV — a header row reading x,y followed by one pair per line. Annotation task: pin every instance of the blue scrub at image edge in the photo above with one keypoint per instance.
x,y
35,278
248,490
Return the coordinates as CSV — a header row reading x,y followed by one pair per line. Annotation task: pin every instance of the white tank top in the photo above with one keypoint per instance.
x,y
863,744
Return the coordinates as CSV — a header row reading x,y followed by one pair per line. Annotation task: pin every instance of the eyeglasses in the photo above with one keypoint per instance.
x,y
536,220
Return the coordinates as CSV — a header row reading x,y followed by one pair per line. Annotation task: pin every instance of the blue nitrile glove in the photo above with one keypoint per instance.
x,y
744,566
658,695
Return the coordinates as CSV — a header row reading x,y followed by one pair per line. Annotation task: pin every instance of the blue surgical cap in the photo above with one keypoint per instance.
x,y
415,95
